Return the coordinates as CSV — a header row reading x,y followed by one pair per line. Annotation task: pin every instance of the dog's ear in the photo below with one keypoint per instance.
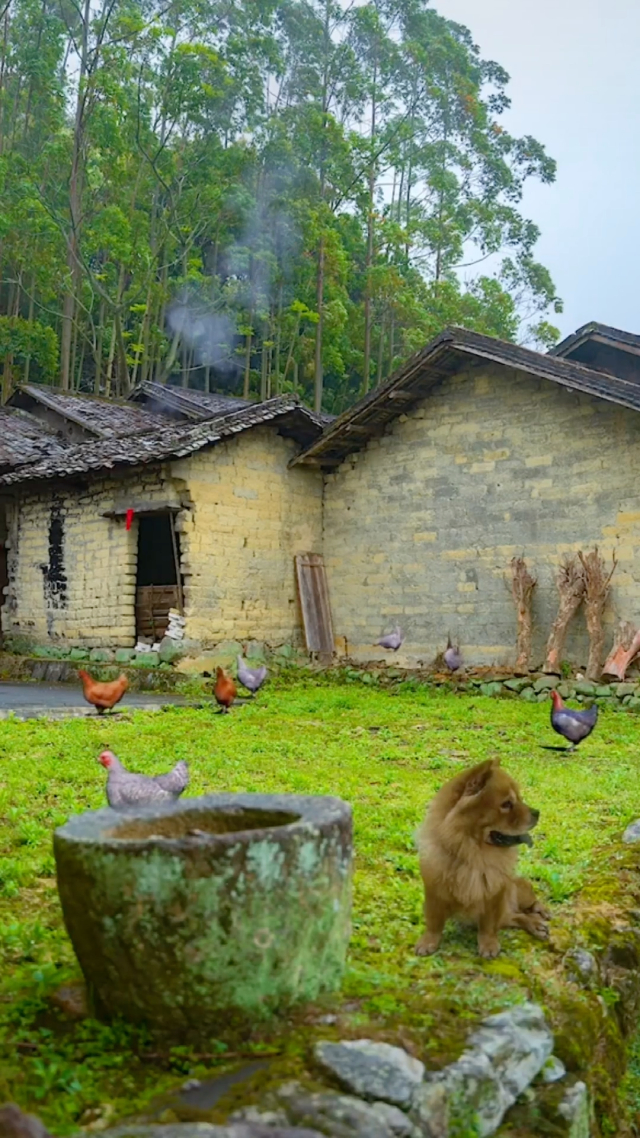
x,y
478,777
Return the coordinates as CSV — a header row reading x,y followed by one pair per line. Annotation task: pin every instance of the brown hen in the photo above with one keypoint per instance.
x,y
103,696
225,689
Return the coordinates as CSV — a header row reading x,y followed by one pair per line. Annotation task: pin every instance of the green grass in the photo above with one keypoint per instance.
x,y
387,752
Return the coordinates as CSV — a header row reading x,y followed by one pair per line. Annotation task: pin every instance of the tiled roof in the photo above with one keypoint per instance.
x,y
196,405
104,418
24,439
171,441
603,333
445,355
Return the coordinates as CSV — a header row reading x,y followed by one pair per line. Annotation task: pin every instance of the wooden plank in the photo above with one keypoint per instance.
x,y
314,602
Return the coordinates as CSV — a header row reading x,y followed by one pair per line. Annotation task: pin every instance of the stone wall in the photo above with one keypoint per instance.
x,y
420,526
243,515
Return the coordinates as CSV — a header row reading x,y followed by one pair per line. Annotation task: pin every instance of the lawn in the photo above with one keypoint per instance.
x,y
386,751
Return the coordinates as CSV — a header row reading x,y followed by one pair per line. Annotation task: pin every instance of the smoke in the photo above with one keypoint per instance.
x,y
210,335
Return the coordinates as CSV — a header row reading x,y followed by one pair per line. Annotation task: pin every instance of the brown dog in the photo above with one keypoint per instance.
x,y
468,848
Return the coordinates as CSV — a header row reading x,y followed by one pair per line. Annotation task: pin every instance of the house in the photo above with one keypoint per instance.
x,y
218,516
418,497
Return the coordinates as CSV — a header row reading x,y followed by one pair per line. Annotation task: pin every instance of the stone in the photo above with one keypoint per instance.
x,y
603,690
170,650
575,1109
492,688
146,660
545,683
79,654
517,685
210,908
582,965
71,999
207,1130
399,1124
542,696
505,1054
255,651
528,694
101,656
632,832
553,1071
625,689
15,1124
585,687
372,1070
566,690
125,655
333,1114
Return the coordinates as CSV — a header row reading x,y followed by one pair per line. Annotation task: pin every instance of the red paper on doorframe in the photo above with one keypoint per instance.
x,y
129,522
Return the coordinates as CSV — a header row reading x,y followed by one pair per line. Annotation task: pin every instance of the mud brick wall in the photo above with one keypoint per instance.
x,y
242,517
420,526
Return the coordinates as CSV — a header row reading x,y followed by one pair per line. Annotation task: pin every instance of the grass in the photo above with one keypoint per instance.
x,y
386,752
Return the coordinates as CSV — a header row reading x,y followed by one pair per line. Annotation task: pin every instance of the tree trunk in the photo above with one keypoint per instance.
x,y
318,373
571,587
97,380
366,365
597,583
27,362
247,360
522,586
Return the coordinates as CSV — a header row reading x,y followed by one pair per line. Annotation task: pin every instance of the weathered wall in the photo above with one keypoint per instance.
x,y
421,525
244,515
72,571
251,515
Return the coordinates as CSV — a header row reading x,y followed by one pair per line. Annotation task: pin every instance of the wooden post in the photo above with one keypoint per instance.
x,y
176,561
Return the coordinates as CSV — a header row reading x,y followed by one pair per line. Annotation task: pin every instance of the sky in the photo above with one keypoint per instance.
x,y
575,86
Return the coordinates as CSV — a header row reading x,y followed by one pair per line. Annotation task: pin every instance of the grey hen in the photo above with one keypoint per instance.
x,y
126,789
392,640
251,678
452,656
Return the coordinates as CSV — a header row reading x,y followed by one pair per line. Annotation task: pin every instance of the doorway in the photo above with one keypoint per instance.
x,y
158,585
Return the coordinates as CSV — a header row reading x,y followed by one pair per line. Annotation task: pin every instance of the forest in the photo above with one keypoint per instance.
x,y
255,197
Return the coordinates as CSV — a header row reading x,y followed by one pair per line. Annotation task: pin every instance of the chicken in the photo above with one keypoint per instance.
x,y
225,689
574,726
452,656
126,789
103,696
393,640
251,678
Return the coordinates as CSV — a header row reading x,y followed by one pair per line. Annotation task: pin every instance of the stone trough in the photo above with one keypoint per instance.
x,y
192,915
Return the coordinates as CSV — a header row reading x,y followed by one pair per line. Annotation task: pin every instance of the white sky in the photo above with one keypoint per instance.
x,y
575,86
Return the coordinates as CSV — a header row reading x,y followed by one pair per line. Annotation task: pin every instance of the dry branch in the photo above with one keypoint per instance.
x,y
571,587
522,586
597,582
626,644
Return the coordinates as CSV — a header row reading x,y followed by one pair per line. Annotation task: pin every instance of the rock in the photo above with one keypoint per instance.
x,y
528,694
397,1121
56,672
603,690
505,1055
170,650
125,655
206,1130
146,660
15,1124
492,688
101,656
224,957
255,652
79,654
566,690
553,1070
372,1070
542,696
575,1109
632,833
517,685
585,687
333,1114
582,965
625,689
71,999
545,683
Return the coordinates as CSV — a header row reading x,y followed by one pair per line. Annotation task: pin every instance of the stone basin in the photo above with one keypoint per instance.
x,y
191,915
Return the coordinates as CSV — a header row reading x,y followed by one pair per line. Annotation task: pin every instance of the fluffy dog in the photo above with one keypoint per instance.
x,y
468,849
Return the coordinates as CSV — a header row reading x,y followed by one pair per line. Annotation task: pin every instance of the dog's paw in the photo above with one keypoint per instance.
x,y
489,948
537,926
541,911
427,945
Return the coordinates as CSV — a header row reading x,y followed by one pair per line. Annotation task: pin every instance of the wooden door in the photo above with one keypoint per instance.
x,y
314,602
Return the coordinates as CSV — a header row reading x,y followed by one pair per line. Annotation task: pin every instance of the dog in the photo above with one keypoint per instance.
x,y
468,849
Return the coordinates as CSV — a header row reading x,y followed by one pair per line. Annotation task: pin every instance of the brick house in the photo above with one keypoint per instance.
x,y
417,497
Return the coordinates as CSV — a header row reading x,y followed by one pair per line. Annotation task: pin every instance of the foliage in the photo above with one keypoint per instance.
x,y
386,752
259,197
29,339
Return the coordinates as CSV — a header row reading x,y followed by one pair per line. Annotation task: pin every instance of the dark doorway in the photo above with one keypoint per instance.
x,y
157,588
4,575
